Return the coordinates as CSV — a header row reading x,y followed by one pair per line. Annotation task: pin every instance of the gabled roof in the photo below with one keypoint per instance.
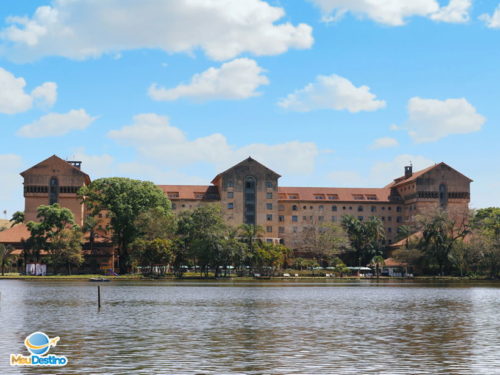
x,y
247,160
58,161
210,192
342,194
403,180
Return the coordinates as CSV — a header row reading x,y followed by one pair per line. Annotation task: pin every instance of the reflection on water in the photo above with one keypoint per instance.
x,y
254,328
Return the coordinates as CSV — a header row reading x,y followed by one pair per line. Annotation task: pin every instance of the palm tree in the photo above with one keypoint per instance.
x,y
378,260
17,218
250,234
5,253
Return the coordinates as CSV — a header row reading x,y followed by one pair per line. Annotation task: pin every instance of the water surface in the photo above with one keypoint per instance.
x,y
285,327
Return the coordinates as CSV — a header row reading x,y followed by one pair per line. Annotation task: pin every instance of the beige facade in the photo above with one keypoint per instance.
x,y
249,192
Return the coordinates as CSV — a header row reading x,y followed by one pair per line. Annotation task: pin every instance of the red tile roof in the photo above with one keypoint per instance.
x,y
15,234
341,194
192,192
402,180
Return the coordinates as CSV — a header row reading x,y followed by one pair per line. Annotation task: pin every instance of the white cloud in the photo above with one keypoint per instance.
x,y
11,188
384,142
493,21
432,119
332,92
223,29
56,124
237,79
457,11
155,139
395,12
14,99
381,173
45,95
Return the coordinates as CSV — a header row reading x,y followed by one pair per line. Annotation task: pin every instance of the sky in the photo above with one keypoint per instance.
x,y
340,93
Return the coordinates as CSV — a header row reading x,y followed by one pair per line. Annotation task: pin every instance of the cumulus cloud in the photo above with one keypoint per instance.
x,y
14,99
57,124
154,138
384,142
237,79
492,21
223,29
395,12
381,173
11,191
332,92
431,119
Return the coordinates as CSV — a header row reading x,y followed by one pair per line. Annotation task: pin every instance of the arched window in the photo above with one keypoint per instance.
x,y
53,190
250,200
443,195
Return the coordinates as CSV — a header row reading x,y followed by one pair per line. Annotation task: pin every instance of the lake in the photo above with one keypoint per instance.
x,y
273,327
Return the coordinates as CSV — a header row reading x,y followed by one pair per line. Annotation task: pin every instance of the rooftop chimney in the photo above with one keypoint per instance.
x,y
408,171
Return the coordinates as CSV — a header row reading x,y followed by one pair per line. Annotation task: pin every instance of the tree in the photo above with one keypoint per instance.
x,y
153,256
378,261
17,218
124,200
486,237
5,254
440,234
322,242
251,235
366,238
57,233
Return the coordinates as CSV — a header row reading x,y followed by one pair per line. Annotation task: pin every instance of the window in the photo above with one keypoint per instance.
x,y
373,209
174,206
443,195
269,184
388,208
54,190
399,219
281,229
230,183
250,197
293,196
304,207
334,208
333,197
199,195
295,219
360,209
281,218
389,218
389,230
360,218
269,206
269,217
294,208
319,196
334,219
294,229
173,194
371,197
230,194
321,207
398,208
358,197
350,208
269,195
230,205
382,218
269,240
269,229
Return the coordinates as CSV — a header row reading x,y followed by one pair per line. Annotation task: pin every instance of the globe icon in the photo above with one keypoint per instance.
x,y
38,343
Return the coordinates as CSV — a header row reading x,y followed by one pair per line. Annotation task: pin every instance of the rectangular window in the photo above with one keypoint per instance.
x,y
389,218
173,194
399,219
295,219
269,184
319,196
281,218
230,183
371,197
360,208
269,195
294,229
373,209
334,208
269,217
398,208
199,195
360,218
293,196
174,206
281,229
230,194
389,230
269,229
333,197
321,207
230,205
358,197
269,206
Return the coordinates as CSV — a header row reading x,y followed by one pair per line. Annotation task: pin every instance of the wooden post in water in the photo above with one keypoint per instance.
x,y
99,296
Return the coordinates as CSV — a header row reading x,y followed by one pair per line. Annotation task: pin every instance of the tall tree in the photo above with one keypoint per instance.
x,y
123,199
5,254
17,218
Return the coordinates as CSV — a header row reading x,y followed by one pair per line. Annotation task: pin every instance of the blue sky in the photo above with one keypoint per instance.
x,y
325,92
